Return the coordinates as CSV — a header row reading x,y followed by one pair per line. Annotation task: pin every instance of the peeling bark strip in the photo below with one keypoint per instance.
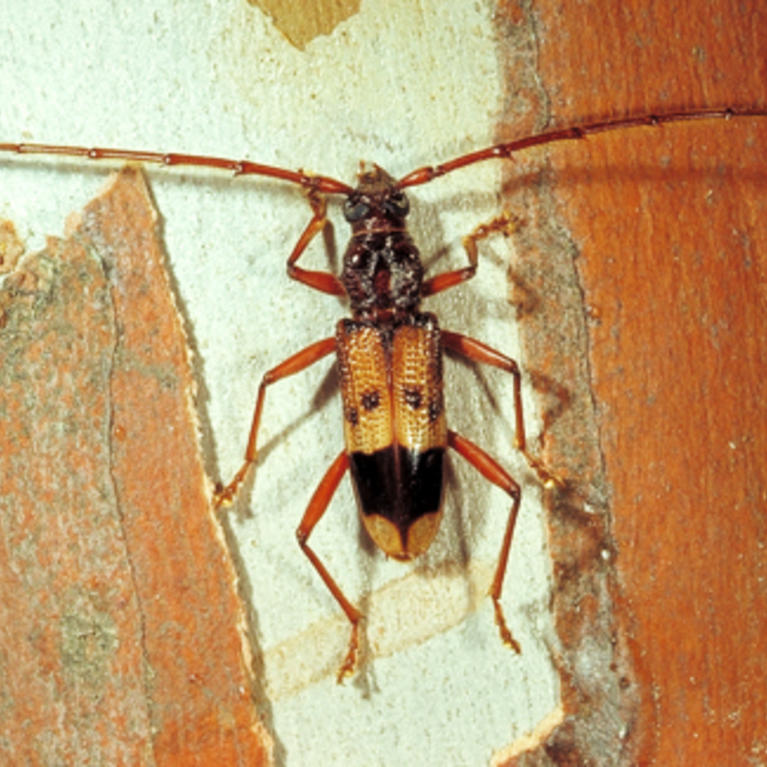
x,y
116,650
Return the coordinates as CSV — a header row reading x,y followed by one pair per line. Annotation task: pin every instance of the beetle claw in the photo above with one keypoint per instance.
x,y
549,478
223,497
349,666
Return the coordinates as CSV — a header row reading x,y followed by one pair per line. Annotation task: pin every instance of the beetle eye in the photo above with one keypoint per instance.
x,y
355,210
397,204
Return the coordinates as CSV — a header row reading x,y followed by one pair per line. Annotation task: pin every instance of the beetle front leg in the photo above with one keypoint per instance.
x,y
325,282
317,507
224,496
505,223
491,470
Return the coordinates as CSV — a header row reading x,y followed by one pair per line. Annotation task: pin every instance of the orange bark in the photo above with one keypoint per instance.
x,y
654,341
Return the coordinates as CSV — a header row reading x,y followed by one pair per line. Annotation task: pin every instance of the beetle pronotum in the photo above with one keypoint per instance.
x,y
390,353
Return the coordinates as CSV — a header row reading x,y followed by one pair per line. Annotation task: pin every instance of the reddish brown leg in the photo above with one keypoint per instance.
x,y
505,223
317,506
322,281
491,470
295,364
479,352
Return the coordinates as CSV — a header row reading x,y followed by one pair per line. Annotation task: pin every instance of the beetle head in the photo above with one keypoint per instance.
x,y
382,270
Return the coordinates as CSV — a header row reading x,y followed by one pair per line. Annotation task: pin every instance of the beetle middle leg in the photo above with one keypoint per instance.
x,y
317,507
295,364
480,352
492,470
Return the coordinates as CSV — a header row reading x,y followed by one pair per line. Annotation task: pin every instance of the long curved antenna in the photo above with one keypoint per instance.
x,y
507,149
329,185
323,184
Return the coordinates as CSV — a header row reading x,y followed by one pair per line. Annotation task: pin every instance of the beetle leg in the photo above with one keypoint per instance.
x,y
317,507
295,364
505,223
322,281
480,352
490,469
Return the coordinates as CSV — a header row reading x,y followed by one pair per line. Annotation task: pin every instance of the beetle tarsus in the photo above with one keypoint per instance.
x,y
349,666
500,621
549,478
223,497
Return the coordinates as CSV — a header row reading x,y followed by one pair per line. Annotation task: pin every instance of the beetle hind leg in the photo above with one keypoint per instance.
x,y
490,469
317,507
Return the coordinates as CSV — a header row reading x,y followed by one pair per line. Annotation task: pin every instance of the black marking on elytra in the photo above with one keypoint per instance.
x,y
370,399
398,483
435,409
413,396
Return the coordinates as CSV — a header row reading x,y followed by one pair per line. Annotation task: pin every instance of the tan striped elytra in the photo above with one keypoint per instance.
x,y
419,409
363,366
391,384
